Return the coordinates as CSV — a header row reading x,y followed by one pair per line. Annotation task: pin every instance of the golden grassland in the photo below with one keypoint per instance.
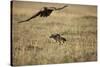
x,y
31,43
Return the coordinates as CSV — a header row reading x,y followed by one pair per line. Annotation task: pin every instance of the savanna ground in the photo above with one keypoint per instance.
x,y
31,43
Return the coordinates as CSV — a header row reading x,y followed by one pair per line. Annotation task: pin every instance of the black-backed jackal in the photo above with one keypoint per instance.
x,y
58,38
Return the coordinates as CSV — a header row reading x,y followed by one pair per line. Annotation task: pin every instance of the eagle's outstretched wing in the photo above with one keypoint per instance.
x,y
54,8
37,14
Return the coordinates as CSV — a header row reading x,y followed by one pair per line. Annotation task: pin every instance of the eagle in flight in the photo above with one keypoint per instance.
x,y
44,12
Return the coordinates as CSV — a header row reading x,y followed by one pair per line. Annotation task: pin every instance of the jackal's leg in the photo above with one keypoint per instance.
x,y
60,42
63,41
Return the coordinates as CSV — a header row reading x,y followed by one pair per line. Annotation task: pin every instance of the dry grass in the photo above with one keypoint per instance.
x,y
32,45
